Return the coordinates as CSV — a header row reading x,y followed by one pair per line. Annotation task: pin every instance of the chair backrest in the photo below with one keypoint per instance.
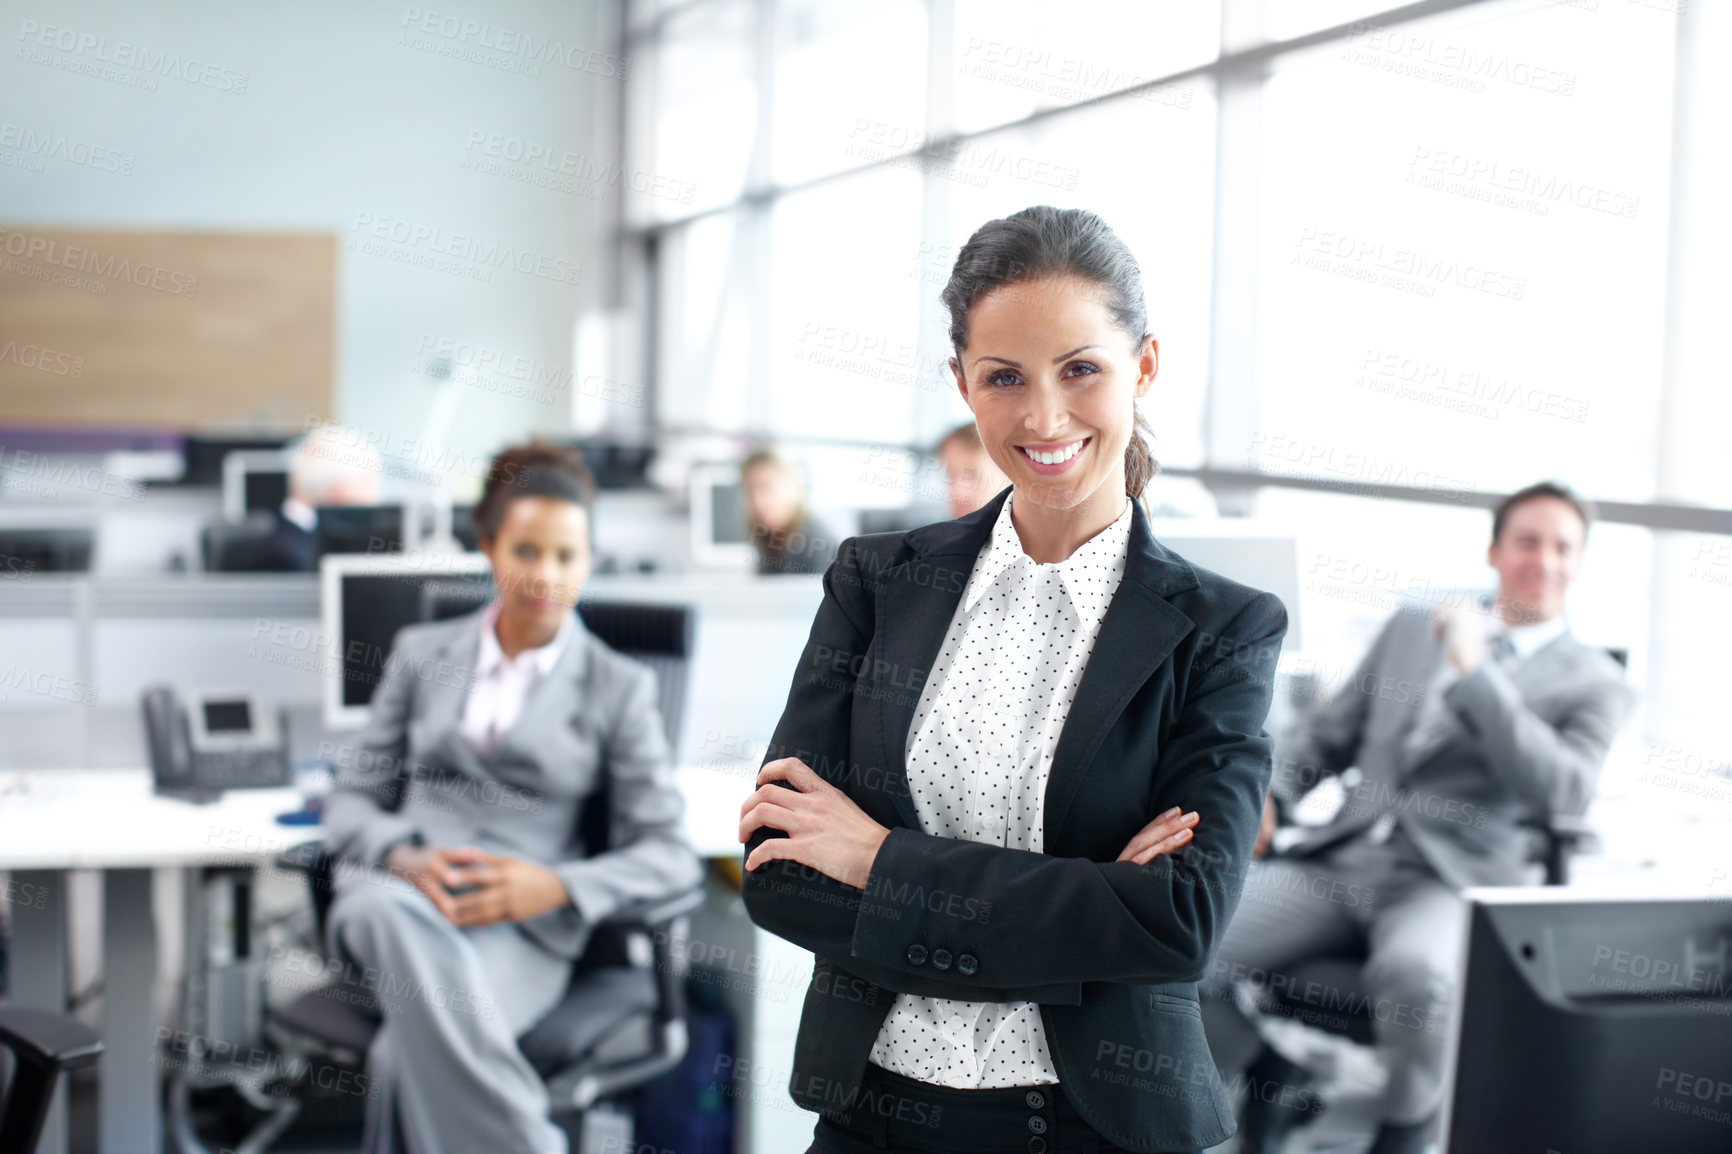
x,y
660,636
44,1044
231,547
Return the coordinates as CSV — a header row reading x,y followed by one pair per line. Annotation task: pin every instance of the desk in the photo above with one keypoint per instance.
x,y
56,820
53,821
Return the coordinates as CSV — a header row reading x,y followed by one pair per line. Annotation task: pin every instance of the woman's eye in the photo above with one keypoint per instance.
x,y
1001,377
1082,368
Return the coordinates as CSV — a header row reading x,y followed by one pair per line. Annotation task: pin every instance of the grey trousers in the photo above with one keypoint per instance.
x,y
454,1000
1380,898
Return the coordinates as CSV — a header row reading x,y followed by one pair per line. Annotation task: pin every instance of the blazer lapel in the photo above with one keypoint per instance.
x,y
917,602
1138,633
549,704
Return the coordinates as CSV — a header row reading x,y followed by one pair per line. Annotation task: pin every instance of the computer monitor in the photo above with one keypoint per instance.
x,y
363,602
1248,554
903,519
1592,1023
463,527
205,454
254,481
44,549
718,524
360,529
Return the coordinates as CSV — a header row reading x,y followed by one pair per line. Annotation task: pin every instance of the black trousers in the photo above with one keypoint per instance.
x,y
902,1115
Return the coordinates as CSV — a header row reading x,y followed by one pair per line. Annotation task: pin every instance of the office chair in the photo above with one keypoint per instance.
x,y
231,547
622,1020
43,1044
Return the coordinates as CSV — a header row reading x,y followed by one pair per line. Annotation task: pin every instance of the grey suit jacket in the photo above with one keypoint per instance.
x,y
1531,742
409,776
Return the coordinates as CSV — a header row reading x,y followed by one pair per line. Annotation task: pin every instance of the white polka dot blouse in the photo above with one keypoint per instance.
x,y
979,751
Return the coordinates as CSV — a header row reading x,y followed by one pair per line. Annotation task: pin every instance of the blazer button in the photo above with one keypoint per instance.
x,y
1035,1099
1036,1124
967,964
917,954
1037,1145
941,958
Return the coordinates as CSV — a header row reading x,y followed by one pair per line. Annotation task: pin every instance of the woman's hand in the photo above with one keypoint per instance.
x,y
1163,835
493,888
825,829
435,870
507,889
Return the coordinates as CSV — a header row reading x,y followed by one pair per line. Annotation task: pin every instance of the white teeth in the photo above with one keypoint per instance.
x,y
1058,457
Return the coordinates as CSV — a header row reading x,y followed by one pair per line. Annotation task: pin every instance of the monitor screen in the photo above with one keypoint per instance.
x,y
375,606
265,490
359,529
25,551
227,716
728,514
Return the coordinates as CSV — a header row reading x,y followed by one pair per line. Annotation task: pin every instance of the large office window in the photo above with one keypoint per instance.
x,y
1421,255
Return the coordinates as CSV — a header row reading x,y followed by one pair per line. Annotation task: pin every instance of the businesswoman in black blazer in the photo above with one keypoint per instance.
x,y
1011,799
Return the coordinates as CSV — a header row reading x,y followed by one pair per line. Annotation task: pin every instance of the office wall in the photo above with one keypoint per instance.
x,y
372,122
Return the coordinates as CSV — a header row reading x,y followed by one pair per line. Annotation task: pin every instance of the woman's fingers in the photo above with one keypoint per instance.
x,y
772,850
1161,833
1164,846
771,794
791,770
767,813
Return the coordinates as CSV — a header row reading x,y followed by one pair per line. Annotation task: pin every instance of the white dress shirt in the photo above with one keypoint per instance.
x,y
978,755
503,684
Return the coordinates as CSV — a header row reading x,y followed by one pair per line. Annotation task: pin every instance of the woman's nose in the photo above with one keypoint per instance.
x,y
1045,418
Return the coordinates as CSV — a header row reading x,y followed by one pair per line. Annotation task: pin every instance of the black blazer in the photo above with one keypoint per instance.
x,y
1170,711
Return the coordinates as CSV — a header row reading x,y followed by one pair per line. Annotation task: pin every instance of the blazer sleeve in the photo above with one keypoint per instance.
x,y
798,903
650,856
1554,769
1326,741
359,813
1071,919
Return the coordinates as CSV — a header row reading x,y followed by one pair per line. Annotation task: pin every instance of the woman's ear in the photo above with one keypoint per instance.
x,y
961,382
1148,364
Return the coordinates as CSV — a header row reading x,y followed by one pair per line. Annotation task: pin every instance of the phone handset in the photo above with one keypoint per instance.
x,y
165,729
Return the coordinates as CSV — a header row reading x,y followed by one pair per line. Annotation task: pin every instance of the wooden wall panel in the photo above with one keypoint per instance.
x,y
190,329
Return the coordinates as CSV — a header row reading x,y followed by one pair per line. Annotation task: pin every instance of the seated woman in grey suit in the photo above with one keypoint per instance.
x,y
464,887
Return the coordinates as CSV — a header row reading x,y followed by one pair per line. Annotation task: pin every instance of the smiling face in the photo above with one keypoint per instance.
x,y
1536,557
1051,379
541,558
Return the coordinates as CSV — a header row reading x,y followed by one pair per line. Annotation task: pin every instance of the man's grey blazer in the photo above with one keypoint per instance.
x,y
409,776
1531,742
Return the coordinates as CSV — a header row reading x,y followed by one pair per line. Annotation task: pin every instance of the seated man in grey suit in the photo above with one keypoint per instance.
x,y
1461,722
464,889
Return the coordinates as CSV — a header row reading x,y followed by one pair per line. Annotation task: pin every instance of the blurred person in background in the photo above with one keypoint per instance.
x,y
458,822
1463,721
973,477
331,465
788,539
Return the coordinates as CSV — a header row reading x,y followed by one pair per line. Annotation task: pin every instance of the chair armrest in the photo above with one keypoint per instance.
x,y
651,915
664,923
1561,837
45,1038
305,858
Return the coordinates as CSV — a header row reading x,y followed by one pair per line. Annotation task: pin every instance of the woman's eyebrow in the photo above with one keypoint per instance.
x,y
1018,364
